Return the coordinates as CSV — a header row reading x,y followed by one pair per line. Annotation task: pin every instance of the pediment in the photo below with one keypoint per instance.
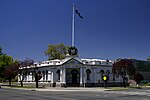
x,y
73,62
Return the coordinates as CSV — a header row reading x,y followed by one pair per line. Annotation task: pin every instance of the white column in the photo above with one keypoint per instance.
x,y
45,76
27,77
52,77
30,76
49,76
61,75
19,75
84,77
64,75
93,75
81,76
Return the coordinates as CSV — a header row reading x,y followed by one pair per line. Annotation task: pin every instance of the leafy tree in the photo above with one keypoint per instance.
x,y
26,62
148,59
4,62
124,67
1,51
11,71
37,76
58,51
21,72
138,78
142,66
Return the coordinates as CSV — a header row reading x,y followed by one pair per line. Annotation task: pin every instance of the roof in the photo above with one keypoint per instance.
x,y
58,62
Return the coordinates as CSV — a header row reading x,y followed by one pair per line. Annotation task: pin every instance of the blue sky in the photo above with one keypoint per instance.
x,y
110,29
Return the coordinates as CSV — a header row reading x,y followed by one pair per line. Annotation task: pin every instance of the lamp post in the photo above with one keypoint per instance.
x,y
105,79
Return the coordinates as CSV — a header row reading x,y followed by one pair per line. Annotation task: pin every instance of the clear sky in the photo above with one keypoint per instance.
x,y
110,29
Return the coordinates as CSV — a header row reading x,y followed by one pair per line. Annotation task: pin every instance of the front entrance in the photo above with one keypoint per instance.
x,y
73,77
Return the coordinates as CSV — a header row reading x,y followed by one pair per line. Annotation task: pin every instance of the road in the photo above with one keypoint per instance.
x,y
132,94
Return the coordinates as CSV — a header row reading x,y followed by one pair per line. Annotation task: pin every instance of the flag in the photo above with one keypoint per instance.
x,y
77,12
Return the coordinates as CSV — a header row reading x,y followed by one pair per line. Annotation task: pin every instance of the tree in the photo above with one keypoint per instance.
x,y
148,59
58,51
1,51
21,72
11,71
124,67
37,76
4,62
138,78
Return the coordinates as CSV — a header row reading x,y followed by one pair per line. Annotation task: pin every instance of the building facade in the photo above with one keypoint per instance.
x,y
71,71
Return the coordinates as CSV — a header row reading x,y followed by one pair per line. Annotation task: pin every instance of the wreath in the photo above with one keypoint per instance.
x,y
72,50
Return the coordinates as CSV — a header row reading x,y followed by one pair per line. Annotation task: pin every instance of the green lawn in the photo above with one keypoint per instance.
x,y
116,88
28,87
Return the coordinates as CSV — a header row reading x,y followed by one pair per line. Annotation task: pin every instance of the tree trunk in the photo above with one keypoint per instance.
x,y
37,86
124,82
21,82
36,80
9,82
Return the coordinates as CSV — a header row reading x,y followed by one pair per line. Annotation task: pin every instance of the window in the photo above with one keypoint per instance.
x,y
43,75
102,71
108,71
88,72
25,76
58,74
46,75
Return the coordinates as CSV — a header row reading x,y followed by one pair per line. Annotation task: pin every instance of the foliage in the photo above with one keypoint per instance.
x,y
58,51
148,59
5,61
143,66
138,78
1,51
124,67
11,71
24,63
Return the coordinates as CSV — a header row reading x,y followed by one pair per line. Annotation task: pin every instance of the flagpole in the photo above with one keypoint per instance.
x,y
73,26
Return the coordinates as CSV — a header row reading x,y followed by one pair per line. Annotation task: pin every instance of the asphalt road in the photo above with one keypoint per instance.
x,y
14,94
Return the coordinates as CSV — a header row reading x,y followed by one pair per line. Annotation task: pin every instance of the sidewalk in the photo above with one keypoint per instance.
x,y
61,89
72,89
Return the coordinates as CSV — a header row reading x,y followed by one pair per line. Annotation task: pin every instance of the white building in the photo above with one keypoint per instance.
x,y
71,71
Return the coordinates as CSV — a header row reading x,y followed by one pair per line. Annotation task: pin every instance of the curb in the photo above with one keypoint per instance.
x,y
62,89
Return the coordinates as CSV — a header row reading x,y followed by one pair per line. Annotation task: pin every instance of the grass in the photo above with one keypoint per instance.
x,y
116,88
27,87
136,87
147,84
122,88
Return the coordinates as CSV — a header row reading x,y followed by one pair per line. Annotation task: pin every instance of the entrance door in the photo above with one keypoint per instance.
x,y
72,77
75,77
